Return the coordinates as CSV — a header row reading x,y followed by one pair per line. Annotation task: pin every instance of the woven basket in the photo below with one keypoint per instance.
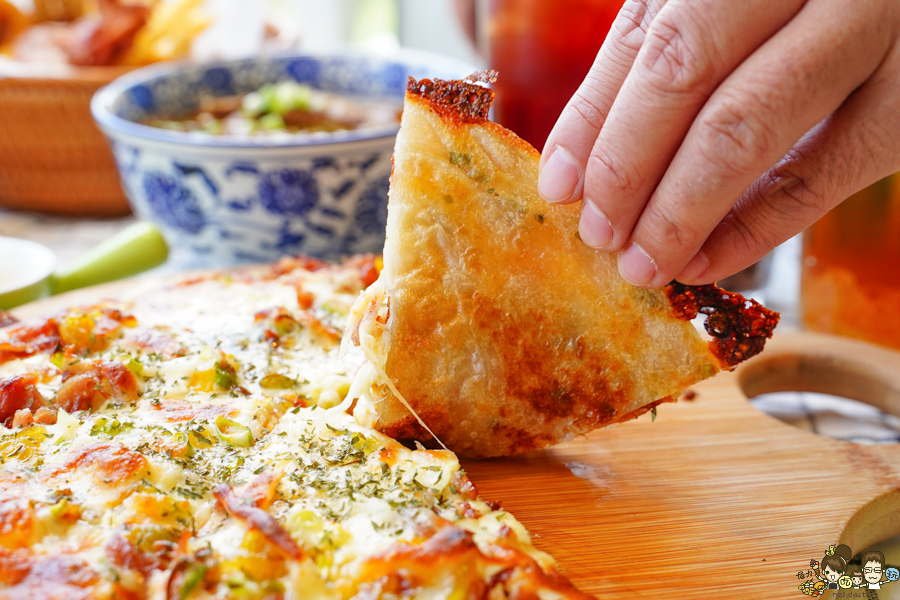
x,y
52,157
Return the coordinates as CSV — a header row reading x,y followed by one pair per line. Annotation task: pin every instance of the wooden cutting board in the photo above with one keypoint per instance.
x,y
714,498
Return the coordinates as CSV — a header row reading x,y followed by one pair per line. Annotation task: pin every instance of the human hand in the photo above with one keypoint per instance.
x,y
710,131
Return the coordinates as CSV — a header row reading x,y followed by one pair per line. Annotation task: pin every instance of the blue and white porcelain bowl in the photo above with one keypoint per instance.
x,y
230,199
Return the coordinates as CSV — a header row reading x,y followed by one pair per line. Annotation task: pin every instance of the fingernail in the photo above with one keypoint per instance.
x,y
594,227
636,266
696,267
559,176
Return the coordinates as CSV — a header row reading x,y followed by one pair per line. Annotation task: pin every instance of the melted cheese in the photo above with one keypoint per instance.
x,y
145,469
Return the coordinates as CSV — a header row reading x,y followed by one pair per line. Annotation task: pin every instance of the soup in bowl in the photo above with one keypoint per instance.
x,y
227,190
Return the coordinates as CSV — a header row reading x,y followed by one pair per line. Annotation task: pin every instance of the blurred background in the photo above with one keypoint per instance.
x,y
240,28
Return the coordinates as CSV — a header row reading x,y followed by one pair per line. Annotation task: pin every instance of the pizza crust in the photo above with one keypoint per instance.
x,y
499,328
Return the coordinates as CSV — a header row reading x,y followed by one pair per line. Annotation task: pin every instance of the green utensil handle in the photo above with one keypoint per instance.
x,y
131,251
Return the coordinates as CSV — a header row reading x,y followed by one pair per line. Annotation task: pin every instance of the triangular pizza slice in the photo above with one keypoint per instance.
x,y
492,325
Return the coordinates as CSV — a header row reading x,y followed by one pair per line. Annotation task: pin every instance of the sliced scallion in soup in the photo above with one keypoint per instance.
x,y
283,107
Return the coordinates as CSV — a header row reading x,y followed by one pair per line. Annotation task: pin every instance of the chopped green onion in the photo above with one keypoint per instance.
x,y
276,381
459,159
192,578
225,376
330,308
254,104
111,428
212,126
233,433
59,509
478,176
271,121
135,366
285,324
289,95
57,360
170,125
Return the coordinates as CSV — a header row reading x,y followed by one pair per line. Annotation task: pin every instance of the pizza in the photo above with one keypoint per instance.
x,y
194,440
493,329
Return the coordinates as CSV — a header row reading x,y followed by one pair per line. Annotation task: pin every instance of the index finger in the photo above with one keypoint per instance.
x,y
569,144
692,46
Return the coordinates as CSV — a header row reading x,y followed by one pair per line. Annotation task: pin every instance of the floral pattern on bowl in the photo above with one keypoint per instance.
x,y
245,199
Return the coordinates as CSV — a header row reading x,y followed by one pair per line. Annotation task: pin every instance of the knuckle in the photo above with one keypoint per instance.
x,y
794,186
633,22
781,200
673,58
668,231
587,104
611,174
752,230
734,137
743,238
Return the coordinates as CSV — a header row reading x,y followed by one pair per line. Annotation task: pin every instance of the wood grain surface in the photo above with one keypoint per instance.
x,y
714,498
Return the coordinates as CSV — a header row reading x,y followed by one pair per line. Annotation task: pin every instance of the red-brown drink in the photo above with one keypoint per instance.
x,y
543,49
851,267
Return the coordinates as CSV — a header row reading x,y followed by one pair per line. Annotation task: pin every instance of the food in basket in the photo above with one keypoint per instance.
x,y
169,32
525,336
191,441
118,33
12,21
283,107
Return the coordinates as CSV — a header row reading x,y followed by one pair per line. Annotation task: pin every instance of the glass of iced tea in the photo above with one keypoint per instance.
x,y
851,267
542,49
